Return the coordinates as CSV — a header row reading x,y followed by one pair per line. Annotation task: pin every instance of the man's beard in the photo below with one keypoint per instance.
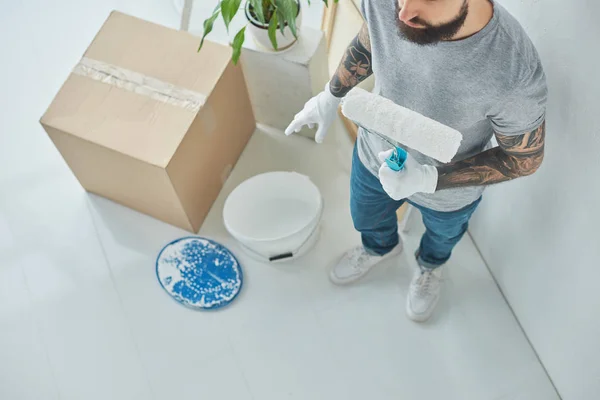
x,y
431,34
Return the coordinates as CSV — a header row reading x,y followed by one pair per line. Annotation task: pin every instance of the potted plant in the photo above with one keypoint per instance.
x,y
274,24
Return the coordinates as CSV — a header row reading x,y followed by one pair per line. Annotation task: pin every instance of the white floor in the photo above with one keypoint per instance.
x,y
83,317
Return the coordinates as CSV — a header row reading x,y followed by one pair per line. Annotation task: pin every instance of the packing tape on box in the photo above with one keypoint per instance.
x,y
139,83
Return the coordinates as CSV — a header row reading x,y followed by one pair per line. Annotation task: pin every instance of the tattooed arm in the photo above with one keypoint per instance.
x,y
355,66
515,156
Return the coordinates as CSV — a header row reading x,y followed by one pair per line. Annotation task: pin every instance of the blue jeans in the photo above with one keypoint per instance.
x,y
374,216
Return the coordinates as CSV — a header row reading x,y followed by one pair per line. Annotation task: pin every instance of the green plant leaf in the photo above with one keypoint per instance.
x,y
228,9
292,13
257,6
273,31
208,26
281,19
289,11
238,41
277,11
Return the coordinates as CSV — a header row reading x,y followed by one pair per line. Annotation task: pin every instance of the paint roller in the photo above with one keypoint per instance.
x,y
377,114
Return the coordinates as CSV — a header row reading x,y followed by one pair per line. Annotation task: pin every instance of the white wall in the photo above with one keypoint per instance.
x,y
541,235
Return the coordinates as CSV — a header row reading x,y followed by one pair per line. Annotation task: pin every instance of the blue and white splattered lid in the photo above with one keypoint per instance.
x,y
199,273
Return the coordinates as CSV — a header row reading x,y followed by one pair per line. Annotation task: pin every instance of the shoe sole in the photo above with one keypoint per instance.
x,y
344,282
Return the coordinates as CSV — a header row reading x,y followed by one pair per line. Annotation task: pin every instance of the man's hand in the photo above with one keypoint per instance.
x,y
319,110
413,178
353,69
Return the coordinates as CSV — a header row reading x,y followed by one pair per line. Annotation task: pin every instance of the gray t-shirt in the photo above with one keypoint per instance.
x,y
491,81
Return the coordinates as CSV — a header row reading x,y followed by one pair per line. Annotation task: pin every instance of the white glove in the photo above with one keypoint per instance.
x,y
320,110
413,178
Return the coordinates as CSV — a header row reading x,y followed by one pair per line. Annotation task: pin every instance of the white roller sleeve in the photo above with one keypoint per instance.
x,y
383,116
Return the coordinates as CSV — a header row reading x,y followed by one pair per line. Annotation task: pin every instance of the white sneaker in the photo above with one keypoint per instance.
x,y
356,262
424,293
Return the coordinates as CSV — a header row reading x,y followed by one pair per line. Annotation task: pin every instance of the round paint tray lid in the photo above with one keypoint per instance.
x,y
199,273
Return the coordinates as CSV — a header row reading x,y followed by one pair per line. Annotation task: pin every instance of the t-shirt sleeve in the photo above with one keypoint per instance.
x,y
524,108
363,8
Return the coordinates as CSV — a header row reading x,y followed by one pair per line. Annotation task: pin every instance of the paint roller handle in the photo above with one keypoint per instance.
x,y
397,159
413,178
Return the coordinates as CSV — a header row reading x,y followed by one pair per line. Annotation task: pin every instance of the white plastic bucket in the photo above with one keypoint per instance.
x,y
275,216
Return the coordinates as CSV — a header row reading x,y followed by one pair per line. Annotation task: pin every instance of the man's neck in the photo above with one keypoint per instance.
x,y
480,14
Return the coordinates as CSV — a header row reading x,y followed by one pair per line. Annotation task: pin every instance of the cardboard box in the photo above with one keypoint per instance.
x,y
147,121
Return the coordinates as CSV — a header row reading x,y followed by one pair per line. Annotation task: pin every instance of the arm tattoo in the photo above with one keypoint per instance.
x,y
355,66
515,156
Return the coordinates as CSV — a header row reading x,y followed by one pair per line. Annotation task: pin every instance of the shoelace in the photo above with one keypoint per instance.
x,y
357,257
424,283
